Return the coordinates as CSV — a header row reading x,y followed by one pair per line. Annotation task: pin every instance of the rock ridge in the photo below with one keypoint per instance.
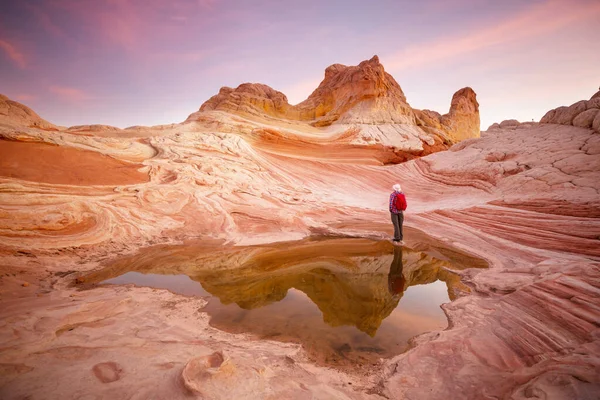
x,y
361,94
582,114
12,112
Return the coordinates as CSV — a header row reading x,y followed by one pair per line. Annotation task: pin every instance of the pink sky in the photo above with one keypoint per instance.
x,y
146,62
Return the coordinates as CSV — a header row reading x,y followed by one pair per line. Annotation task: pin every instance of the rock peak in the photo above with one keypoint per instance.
x,y
373,60
359,94
367,84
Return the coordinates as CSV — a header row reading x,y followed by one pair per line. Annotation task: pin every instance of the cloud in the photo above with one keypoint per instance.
x,y
69,93
13,53
534,21
46,22
207,4
117,21
135,26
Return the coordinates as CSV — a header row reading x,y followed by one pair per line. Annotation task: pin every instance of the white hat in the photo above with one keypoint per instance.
x,y
397,187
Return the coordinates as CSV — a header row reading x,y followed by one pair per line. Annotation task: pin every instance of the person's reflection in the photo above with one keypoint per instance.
x,y
396,279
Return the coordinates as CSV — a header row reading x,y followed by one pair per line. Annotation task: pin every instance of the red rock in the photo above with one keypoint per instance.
x,y
525,199
596,123
586,118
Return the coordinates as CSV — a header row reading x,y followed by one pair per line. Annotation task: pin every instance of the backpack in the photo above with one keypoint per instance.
x,y
400,201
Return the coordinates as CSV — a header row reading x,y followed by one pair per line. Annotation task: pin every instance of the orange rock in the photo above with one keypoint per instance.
x,y
15,113
362,94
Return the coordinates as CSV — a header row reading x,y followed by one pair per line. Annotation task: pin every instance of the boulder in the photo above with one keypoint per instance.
x,y
596,123
586,118
509,123
567,114
593,103
564,115
548,118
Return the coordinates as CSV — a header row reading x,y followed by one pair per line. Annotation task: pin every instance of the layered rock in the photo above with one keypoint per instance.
x,y
460,123
363,94
380,98
525,199
251,99
356,95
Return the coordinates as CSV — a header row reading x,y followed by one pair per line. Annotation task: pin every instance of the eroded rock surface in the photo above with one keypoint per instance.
x,y
583,114
13,113
523,197
362,96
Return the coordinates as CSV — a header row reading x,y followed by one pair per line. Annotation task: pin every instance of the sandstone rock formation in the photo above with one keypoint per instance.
x,y
347,279
511,124
524,199
13,113
461,122
583,114
364,96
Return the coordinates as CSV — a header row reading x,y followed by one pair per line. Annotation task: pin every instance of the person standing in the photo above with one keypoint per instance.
x,y
397,207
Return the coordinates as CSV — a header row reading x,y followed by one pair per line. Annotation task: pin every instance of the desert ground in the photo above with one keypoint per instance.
x,y
248,184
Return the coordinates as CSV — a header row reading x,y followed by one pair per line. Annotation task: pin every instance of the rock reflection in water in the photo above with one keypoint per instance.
x,y
339,297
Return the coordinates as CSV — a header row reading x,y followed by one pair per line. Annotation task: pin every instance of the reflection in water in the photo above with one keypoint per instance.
x,y
396,280
340,298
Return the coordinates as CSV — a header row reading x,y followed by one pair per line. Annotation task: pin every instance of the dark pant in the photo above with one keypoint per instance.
x,y
397,220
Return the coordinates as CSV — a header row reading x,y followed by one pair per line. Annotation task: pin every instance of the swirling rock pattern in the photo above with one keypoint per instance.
x,y
362,96
526,199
